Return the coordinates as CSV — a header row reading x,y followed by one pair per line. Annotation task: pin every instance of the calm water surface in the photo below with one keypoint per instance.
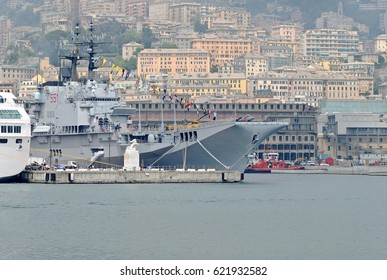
x,y
269,216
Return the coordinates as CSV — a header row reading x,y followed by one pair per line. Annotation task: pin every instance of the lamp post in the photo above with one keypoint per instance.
x,y
109,138
50,144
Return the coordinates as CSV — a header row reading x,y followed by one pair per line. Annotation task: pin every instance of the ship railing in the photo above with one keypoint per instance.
x,y
147,169
179,168
179,127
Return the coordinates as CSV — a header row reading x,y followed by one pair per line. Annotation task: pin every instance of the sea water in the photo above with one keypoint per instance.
x,y
269,216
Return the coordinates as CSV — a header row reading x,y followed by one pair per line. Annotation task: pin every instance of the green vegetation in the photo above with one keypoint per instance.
x,y
21,17
25,18
198,26
147,37
50,44
119,61
168,46
132,63
381,62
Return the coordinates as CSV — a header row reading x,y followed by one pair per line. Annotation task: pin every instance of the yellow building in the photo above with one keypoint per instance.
x,y
196,90
223,50
381,43
152,62
129,49
237,83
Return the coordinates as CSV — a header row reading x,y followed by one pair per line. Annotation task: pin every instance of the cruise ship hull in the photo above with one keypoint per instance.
x,y
15,137
14,158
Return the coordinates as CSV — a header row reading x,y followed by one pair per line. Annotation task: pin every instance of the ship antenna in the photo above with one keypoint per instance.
x,y
92,53
75,55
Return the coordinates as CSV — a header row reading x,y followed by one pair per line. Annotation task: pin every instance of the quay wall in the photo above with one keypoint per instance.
x,y
127,177
338,170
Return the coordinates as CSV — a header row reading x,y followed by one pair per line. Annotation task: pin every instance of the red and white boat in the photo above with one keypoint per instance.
x,y
268,163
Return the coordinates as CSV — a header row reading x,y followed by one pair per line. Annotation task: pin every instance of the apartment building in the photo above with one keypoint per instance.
x,y
255,64
29,88
305,87
330,42
227,16
287,31
129,49
236,82
358,69
98,10
135,9
153,62
276,50
159,10
197,90
184,12
349,135
381,43
5,28
295,47
16,73
223,50
184,41
332,20
296,141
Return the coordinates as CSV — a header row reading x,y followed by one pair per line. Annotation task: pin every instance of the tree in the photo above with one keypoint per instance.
x,y
12,58
26,18
381,62
168,46
214,69
132,63
121,39
137,51
119,61
50,44
200,27
147,37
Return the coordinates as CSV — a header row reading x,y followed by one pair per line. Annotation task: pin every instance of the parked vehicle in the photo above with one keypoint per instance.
x,y
71,165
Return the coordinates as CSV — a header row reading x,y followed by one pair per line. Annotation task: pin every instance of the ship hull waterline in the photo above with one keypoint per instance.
x,y
225,149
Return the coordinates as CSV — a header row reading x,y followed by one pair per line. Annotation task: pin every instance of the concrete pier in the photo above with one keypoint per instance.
x,y
338,170
127,177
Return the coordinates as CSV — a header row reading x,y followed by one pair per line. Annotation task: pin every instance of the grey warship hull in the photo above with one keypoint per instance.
x,y
222,145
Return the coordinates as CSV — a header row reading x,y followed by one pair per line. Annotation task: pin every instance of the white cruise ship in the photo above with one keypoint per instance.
x,y
15,136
